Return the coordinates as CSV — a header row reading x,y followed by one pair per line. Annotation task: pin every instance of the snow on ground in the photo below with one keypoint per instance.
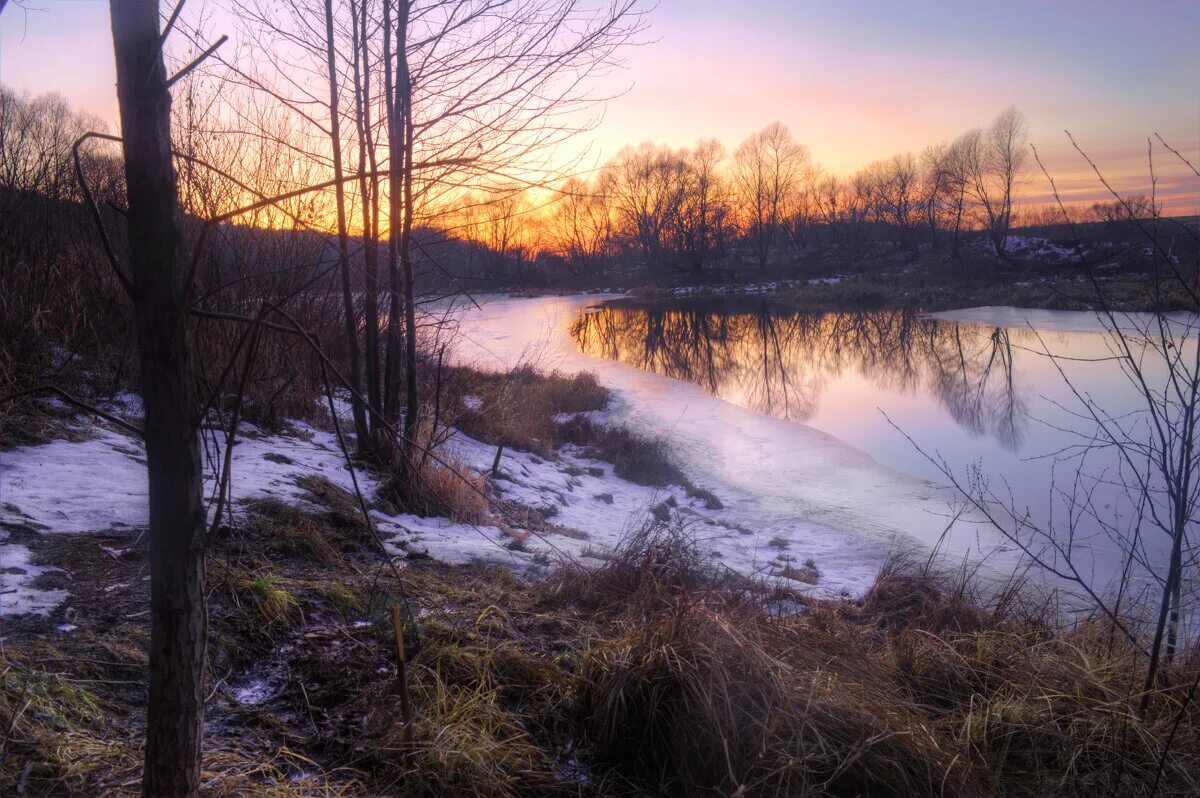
x,y
1039,249
99,485
752,289
69,487
17,574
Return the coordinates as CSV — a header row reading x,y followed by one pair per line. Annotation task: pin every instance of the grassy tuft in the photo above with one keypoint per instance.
x,y
648,569
452,490
273,603
645,461
518,408
715,697
290,531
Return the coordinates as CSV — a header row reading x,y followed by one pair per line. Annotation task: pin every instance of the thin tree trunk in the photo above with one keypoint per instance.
x,y
404,89
361,430
391,389
369,189
178,622
1174,569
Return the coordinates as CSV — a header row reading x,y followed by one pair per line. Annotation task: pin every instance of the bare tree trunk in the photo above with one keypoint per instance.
x,y
178,623
391,383
1169,601
369,189
361,430
404,89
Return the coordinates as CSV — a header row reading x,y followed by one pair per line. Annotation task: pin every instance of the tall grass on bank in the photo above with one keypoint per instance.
x,y
517,408
930,686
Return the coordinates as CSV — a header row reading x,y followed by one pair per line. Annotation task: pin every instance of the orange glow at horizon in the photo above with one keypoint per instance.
x,y
854,85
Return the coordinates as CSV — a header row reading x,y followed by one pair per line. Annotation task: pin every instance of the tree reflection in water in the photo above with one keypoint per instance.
x,y
778,361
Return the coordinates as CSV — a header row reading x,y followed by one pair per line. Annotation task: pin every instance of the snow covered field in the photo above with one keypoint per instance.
x,y
99,485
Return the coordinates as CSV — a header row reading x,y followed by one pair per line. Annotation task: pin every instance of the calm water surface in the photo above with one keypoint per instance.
x,y
812,422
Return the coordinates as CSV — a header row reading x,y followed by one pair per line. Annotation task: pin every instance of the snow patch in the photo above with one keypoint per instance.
x,y
254,692
17,575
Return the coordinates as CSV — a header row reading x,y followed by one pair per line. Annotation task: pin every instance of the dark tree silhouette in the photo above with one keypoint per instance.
x,y
178,626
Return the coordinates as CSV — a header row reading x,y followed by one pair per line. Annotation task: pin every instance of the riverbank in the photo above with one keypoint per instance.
x,y
1041,273
655,668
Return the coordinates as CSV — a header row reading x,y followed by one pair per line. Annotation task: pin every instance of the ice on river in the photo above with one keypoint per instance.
x,y
778,478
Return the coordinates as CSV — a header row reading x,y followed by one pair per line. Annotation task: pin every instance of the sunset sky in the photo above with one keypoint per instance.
x,y
855,81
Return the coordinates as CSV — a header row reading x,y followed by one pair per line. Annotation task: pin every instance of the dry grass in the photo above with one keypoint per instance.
x,y
273,603
54,738
910,594
431,488
289,531
647,570
517,408
645,461
931,686
656,673
463,742
713,697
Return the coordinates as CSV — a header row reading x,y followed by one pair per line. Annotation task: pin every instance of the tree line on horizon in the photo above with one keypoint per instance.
x,y
688,209
652,206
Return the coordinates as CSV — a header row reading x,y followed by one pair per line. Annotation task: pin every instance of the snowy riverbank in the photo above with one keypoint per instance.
x,y
96,482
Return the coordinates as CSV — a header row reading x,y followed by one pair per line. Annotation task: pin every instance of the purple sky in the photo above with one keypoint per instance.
x,y
855,81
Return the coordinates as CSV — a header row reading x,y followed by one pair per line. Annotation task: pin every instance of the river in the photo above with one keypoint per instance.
x,y
843,431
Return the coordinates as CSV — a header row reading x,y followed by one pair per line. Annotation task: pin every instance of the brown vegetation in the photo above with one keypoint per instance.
x,y
518,408
658,672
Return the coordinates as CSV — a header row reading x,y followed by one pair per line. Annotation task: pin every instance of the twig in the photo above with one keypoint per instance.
x,y
402,675
196,61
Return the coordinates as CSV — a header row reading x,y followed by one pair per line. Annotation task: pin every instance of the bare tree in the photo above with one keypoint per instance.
x,y
964,154
706,206
469,93
501,222
767,167
935,190
894,196
178,625
646,186
358,407
994,166
1146,499
581,226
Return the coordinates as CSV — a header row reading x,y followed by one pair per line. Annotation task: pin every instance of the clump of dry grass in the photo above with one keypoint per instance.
x,y
290,531
518,408
258,601
649,567
478,699
642,460
432,488
720,697
231,772
341,506
273,603
910,593
53,735
645,461
935,685
34,421
463,742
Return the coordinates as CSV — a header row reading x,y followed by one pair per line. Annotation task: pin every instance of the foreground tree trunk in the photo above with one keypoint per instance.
x,y
178,625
